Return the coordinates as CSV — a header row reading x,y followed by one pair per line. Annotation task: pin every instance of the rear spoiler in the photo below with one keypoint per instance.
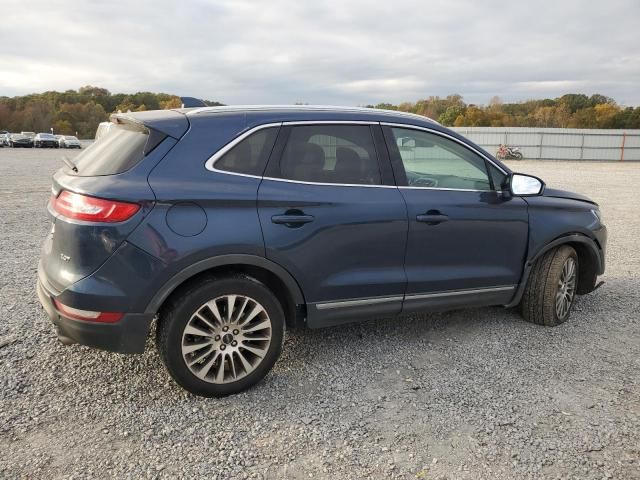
x,y
169,122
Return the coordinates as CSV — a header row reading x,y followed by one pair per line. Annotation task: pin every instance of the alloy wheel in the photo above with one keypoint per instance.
x,y
566,288
226,339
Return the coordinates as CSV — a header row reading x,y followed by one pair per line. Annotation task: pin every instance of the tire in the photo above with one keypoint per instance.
x,y
540,301
518,156
177,346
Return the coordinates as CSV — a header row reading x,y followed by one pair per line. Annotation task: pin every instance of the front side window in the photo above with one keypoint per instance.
x,y
250,155
433,161
340,154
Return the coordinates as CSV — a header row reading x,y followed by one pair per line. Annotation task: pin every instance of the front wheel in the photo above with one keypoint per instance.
x,y
551,288
221,335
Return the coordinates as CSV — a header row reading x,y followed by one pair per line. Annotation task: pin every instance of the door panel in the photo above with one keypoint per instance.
x,y
350,246
331,218
467,239
481,244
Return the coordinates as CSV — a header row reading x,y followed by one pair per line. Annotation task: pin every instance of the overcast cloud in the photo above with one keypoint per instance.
x,y
329,52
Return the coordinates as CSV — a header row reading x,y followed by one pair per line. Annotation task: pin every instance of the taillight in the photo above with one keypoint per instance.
x,y
87,315
92,209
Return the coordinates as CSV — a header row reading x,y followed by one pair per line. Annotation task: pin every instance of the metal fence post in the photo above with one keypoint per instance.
x,y
541,142
624,140
582,147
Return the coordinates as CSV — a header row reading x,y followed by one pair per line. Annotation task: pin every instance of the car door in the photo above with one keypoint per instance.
x,y
467,239
331,216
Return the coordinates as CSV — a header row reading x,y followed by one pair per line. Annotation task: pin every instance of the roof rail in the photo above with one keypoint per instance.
x,y
315,108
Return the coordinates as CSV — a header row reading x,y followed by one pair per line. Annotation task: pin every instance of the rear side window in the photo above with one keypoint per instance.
x,y
117,150
250,155
341,154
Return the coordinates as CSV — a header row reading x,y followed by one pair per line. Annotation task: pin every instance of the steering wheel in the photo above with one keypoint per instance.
x,y
424,182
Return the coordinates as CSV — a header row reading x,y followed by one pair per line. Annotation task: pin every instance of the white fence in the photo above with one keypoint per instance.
x,y
559,143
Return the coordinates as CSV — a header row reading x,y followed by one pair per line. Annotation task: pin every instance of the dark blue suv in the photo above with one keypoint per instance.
x,y
229,224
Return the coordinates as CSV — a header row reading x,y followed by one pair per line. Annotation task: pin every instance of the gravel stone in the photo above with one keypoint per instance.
x,y
483,392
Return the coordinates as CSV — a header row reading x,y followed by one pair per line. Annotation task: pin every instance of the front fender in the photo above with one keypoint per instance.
x,y
597,255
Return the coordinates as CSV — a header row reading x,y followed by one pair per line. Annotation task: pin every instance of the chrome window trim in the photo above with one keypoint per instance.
x,y
321,184
357,302
450,137
210,163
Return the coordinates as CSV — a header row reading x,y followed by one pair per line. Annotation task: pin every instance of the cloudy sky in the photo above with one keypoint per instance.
x,y
324,52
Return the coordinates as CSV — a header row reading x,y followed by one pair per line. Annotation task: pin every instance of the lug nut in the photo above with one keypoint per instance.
x,y
223,346
224,329
217,338
234,343
236,332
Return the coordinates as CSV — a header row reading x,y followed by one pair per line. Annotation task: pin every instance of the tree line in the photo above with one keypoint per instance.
x,y
573,110
77,112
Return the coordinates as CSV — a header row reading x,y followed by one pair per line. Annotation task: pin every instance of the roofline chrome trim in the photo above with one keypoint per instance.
x,y
442,134
357,302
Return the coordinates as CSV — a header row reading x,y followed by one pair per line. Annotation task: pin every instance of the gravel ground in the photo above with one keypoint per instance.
x,y
468,394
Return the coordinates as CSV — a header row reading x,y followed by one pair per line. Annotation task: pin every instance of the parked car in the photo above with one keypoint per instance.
x,y
229,224
103,127
68,141
45,140
19,140
31,135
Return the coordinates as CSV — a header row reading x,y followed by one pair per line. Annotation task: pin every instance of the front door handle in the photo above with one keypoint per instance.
x,y
432,217
292,220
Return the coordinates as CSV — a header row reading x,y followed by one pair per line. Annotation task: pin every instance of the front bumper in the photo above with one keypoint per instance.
x,y
128,335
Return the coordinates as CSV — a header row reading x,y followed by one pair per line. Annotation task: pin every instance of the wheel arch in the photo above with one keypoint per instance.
x,y
279,280
589,262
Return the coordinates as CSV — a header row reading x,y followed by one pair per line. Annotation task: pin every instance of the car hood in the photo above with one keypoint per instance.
x,y
553,192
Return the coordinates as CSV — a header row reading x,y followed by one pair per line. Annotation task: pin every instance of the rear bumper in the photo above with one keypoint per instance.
x,y
128,335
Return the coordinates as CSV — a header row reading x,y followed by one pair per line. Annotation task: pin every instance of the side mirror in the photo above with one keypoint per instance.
x,y
520,184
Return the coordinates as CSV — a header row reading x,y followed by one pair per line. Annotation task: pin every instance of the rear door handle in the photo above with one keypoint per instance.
x,y
432,218
292,220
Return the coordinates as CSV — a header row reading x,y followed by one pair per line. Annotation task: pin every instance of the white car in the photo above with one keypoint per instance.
x,y
69,141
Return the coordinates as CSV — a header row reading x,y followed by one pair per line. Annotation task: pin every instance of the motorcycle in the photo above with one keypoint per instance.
x,y
505,152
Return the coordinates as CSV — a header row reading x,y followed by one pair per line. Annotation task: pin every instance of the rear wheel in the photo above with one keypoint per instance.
x,y
551,289
221,336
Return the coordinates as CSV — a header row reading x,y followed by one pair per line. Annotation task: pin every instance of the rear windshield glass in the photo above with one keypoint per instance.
x,y
120,148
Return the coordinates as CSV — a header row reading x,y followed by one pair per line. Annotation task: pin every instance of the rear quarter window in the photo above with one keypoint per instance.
x,y
119,149
249,156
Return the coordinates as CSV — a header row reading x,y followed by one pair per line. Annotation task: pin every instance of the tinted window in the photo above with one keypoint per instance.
x,y
434,161
331,154
118,150
250,155
498,178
